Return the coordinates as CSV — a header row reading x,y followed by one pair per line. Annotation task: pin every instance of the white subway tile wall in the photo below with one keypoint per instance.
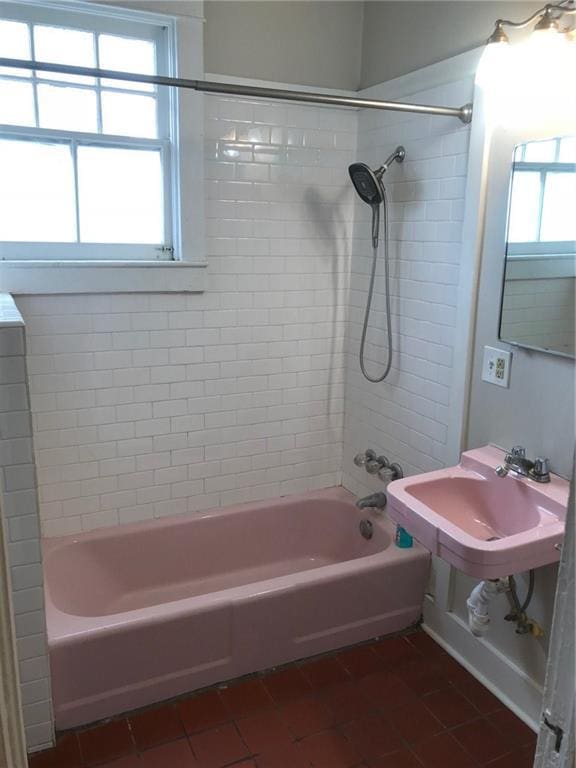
x,y
152,405
19,503
406,417
540,313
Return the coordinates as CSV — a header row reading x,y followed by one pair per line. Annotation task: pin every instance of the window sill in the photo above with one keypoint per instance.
x,y
44,277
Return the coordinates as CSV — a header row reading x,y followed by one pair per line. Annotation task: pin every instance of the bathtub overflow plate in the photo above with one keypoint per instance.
x,y
366,529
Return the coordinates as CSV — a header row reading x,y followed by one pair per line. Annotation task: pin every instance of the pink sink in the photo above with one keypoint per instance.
x,y
486,526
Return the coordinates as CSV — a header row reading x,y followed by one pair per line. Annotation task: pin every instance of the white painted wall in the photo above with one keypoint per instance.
x,y
306,42
400,37
151,405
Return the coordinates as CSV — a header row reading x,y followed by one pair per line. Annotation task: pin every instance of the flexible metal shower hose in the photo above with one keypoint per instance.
x,y
375,233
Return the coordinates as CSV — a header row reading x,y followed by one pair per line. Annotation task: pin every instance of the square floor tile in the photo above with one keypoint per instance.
x,y
442,751
450,707
219,746
477,694
400,759
290,756
450,668
329,749
360,661
373,736
481,740
347,702
263,731
156,726
245,697
414,722
307,716
132,761
514,730
287,684
106,742
395,650
386,691
177,754
422,676
323,673
202,712
517,759
65,754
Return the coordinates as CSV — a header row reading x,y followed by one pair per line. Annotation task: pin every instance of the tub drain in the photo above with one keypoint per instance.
x,y
366,529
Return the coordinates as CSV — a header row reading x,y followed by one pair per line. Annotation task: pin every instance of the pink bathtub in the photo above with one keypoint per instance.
x,y
146,612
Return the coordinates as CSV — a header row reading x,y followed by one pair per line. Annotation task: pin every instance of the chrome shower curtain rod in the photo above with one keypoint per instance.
x,y
464,113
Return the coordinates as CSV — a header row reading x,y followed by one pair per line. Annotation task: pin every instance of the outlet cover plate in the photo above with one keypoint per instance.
x,y
496,366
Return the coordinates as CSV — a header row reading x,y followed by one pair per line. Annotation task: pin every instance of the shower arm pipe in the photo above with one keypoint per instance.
x,y
464,113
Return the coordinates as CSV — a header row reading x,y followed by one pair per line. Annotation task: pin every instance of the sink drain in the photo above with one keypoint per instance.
x,y
366,529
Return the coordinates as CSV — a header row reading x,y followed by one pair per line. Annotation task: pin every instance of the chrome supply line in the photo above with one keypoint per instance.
x,y
464,113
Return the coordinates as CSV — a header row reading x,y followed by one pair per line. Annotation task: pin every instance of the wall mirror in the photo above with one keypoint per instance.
x,y
538,309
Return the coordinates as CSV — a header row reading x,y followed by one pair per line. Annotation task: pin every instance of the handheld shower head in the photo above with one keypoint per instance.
x,y
368,183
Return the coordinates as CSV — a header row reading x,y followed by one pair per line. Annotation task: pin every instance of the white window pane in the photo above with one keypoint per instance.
x,y
558,220
540,151
72,109
16,102
14,44
36,192
524,207
127,115
64,46
120,194
126,54
568,149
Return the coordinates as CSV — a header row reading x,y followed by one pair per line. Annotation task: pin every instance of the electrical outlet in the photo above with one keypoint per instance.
x,y
496,366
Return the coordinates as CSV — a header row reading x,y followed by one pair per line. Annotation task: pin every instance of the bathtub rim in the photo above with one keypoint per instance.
x,y
67,628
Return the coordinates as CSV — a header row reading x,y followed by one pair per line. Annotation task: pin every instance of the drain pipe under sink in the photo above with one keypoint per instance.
x,y
479,601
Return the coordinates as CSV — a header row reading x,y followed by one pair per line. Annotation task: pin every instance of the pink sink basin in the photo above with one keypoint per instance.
x,y
485,525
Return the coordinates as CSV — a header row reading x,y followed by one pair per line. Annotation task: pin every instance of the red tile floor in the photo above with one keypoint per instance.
x,y
397,702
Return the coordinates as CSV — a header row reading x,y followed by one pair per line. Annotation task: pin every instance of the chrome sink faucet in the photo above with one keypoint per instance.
x,y
516,461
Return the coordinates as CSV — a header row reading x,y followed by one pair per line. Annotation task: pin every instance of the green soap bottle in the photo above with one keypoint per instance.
x,y
403,538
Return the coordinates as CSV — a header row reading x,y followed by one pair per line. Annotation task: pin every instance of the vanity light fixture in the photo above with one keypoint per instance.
x,y
530,82
546,18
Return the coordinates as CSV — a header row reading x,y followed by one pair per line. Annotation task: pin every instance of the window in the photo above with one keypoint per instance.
x,y
541,217
86,163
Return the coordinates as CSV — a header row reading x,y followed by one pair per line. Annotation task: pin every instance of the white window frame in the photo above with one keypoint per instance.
x,y
541,248
56,268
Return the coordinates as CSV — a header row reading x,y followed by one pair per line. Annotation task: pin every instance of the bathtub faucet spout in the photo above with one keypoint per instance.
x,y
377,500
